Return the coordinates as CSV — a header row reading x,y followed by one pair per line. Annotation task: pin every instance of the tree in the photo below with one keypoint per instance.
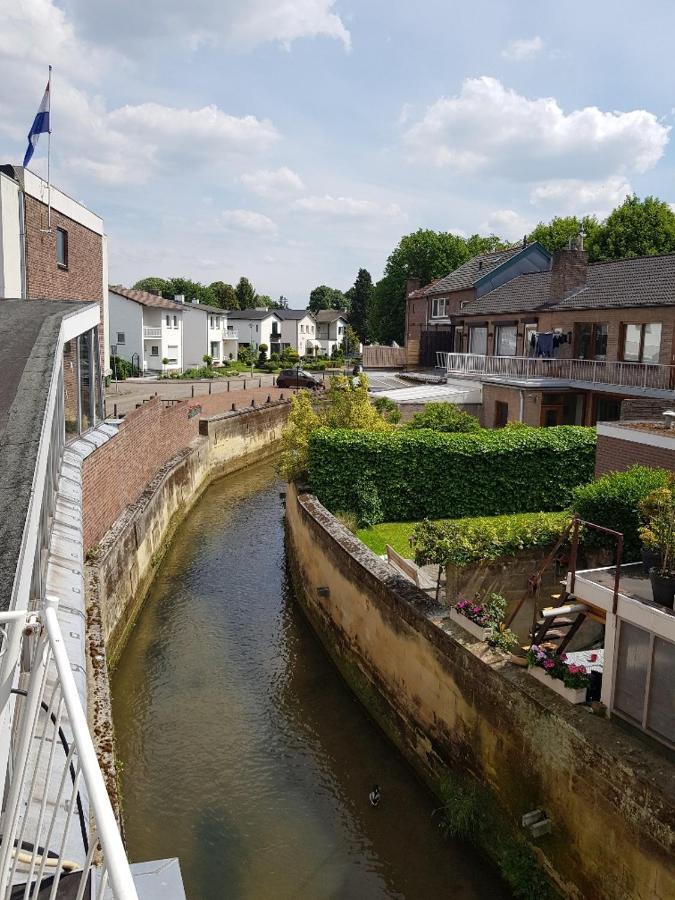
x,y
351,341
154,285
361,296
281,303
324,297
636,228
224,295
444,417
193,291
245,294
264,300
425,255
561,229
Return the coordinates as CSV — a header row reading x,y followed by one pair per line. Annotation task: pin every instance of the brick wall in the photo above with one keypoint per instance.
x,y
614,455
494,393
643,409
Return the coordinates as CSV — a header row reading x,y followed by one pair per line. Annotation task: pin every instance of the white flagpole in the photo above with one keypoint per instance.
x,y
49,156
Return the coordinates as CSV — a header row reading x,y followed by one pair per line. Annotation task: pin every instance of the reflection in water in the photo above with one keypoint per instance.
x,y
244,753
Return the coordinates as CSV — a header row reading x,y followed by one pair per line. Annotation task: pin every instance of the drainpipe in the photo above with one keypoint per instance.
x,y
522,405
22,243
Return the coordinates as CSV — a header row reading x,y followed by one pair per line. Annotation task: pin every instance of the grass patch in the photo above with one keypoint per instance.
x,y
396,534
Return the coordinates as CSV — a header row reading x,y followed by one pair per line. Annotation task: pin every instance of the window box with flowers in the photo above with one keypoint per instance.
x,y
472,617
484,619
569,680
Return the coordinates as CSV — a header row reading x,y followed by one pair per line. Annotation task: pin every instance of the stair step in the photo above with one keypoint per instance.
x,y
550,612
557,622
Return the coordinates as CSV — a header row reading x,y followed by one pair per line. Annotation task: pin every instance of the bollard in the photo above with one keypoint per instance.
x,y
260,382
281,395
210,383
234,407
193,391
228,385
253,402
269,398
115,411
244,384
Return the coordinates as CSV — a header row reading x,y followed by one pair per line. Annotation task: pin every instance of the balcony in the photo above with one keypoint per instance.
x,y
232,334
151,332
635,378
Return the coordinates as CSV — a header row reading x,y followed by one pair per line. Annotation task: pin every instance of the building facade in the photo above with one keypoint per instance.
x,y
298,331
331,328
256,327
146,329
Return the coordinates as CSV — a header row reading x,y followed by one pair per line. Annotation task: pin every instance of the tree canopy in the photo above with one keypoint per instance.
x,y
246,296
557,234
224,295
324,297
636,228
360,296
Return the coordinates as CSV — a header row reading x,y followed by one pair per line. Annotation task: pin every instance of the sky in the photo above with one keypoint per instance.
x,y
296,141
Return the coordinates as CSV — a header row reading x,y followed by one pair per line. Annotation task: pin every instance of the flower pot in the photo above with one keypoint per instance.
x,y
572,695
663,588
476,630
651,559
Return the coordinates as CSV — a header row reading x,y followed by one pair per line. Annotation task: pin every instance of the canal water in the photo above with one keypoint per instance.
x,y
244,754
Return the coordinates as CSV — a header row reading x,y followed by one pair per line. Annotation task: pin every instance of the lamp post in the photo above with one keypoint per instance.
x,y
250,344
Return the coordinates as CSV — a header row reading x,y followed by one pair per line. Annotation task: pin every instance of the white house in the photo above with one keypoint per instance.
x,y
298,330
331,327
206,331
146,329
256,327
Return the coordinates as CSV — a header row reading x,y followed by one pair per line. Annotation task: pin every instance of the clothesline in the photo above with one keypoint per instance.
x,y
545,343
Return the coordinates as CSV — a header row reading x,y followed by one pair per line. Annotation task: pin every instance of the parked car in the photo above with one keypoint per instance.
x,y
298,378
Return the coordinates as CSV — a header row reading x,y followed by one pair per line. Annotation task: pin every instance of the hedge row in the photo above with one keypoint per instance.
x,y
426,474
462,542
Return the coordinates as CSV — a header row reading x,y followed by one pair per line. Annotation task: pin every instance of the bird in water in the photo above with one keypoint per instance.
x,y
374,795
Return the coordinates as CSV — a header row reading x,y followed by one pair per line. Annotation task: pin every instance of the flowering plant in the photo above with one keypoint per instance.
x,y
571,674
476,612
490,614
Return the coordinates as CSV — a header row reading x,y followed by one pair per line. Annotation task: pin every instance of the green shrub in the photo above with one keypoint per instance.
x,y
420,473
444,417
462,542
365,502
388,410
613,501
122,368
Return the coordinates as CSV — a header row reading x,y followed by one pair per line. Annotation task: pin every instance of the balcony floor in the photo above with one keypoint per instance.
x,y
634,583
564,384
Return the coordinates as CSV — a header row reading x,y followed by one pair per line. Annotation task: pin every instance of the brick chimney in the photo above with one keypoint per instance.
x,y
412,284
568,270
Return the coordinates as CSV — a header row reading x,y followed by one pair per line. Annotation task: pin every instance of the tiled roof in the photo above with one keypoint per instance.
x,y
330,315
252,314
622,283
471,271
144,298
288,314
423,291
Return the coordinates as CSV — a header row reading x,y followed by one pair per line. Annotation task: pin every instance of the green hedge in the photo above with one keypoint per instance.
x,y
462,542
613,501
427,474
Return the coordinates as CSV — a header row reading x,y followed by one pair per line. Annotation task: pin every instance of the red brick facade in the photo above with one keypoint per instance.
x,y
614,455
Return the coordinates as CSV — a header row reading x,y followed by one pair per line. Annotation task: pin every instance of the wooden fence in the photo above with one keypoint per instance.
x,y
377,356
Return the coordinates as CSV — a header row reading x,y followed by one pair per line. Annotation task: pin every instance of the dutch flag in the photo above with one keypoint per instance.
x,y
40,126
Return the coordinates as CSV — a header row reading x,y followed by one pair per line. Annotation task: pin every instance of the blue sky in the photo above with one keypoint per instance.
x,y
295,141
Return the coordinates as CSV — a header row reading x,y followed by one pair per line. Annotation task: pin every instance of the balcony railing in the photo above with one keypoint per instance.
x,y
57,822
647,376
232,334
151,332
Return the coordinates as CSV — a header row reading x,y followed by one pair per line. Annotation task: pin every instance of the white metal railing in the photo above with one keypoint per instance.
x,y
150,331
57,824
231,334
622,374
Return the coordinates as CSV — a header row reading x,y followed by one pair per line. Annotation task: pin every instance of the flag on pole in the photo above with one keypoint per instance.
x,y
40,126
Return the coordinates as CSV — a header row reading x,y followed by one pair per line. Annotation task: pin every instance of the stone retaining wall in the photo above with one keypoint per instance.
x,y
452,704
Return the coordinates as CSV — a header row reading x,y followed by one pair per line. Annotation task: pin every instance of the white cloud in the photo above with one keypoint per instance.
x,y
581,197
348,207
507,223
523,49
249,221
488,128
238,24
274,184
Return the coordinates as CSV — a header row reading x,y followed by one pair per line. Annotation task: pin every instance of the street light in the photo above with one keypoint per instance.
x,y
250,344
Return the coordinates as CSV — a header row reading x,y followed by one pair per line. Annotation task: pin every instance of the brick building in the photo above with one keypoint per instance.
x,y
568,344
62,260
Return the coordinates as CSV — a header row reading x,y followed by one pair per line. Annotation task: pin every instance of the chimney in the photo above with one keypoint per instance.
x,y
568,270
412,284
179,298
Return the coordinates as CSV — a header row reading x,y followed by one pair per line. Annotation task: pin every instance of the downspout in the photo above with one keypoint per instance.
x,y
22,243
522,405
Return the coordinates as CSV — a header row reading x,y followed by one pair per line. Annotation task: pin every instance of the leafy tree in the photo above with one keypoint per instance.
x,y
154,285
262,354
281,303
360,296
561,229
324,297
349,405
444,417
193,290
425,255
302,421
264,300
351,341
636,228
246,296
388,410
224,295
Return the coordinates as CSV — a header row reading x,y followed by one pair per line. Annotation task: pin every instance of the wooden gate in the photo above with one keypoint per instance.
x,y
433,342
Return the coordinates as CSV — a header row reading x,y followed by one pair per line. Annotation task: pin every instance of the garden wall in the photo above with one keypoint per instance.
x,y
452,705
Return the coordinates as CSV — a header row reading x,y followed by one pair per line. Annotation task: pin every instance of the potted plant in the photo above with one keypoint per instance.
x,y
566,679
472,617
659,534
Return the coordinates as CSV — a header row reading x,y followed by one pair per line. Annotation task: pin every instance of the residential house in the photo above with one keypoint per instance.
x,y
431,310
51,246
206,331
256,327
568,345
298,331
145,329
331,327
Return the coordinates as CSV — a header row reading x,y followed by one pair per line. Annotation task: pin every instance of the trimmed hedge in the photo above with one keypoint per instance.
x,y
462,542
427,474
613,501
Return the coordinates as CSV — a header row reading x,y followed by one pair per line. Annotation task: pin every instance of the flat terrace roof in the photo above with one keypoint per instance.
x,y
29,339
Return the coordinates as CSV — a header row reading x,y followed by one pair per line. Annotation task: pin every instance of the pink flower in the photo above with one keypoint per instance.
x,y
594,657
548,663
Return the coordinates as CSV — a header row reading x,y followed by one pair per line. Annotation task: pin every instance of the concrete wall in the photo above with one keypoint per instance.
x,y
128,555
451,703
11,281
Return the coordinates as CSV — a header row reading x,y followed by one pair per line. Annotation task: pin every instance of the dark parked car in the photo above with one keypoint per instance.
x,y
298,378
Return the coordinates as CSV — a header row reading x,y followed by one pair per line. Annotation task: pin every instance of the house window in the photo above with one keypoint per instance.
x,y
62,248
641,343
478,339
175,321
154,350
168,321
214,350
120,337
172,354
530,333
212,322
507,337
590,340
439,308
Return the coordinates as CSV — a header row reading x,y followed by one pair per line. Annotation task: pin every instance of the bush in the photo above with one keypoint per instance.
x,y
444,417
613,501
423,474
388,410
365,502
122,368
466,541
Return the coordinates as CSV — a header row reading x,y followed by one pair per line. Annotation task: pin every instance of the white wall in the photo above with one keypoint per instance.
x,y
258,330
36,187
292,333
194,337
11,282
126,316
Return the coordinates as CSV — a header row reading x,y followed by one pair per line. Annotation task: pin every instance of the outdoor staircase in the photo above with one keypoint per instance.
x,y
556,625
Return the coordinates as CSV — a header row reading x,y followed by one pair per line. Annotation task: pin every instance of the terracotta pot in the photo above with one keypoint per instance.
x,y
663,588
